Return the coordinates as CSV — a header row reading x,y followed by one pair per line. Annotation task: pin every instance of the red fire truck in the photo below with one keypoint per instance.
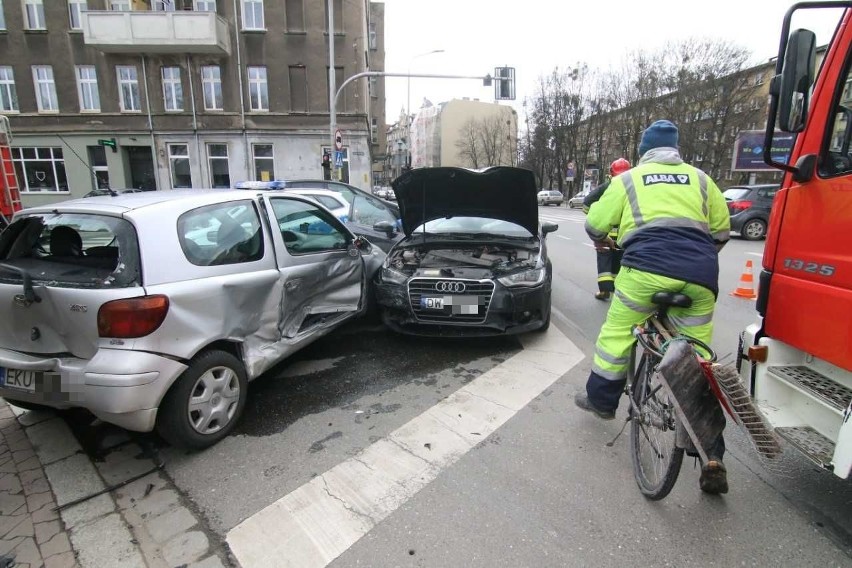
x,y
798,358
10,196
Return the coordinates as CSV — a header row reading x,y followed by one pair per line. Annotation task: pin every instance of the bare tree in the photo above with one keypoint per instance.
x,y
487,142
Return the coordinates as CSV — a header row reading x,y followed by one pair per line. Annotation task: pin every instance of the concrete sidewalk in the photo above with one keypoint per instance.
x,y
30,528
101,520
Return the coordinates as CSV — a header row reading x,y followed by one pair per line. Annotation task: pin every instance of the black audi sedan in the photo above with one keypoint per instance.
x,y
473,260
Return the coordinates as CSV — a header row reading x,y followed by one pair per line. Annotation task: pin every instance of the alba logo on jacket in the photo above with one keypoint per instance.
x,y
679,179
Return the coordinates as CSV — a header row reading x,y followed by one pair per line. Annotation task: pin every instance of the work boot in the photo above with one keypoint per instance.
x,y
714,477
582,401
602,295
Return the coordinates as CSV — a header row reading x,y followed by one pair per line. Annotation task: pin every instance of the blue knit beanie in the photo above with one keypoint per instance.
x,y
660,134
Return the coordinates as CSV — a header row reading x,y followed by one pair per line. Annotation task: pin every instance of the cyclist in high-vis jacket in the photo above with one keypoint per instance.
x,y
672,222
609,259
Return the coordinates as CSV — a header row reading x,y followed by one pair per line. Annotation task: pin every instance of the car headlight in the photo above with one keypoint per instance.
x,y
392,276
532,277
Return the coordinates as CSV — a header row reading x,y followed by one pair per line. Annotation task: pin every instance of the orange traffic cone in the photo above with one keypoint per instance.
x,y
746,286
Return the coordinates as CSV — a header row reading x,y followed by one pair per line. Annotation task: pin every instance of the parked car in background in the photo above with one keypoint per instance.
x,y
157,309
550,197
331,200
576,202
473,260
112,192
749,206
366,209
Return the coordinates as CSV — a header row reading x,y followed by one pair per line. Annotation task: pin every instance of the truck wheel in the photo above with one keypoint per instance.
x,y
205,403
754,230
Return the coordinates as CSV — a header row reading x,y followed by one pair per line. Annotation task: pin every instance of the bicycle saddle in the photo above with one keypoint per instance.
x,y
671,299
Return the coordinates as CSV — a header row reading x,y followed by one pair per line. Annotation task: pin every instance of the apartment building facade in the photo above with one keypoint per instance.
x,y
173,94
464,133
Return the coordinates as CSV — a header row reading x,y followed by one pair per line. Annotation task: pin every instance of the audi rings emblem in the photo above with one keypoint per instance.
x,y
449,286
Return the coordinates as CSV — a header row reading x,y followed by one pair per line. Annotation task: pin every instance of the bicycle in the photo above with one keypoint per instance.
x,y
656,422
657,418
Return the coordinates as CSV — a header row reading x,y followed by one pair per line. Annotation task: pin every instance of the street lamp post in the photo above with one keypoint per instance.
x,y
408,103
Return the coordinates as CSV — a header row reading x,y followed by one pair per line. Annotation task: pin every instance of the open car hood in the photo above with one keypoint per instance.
x,y
504,193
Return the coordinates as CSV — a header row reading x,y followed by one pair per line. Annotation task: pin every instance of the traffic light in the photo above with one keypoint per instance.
x,y
326,165
504,83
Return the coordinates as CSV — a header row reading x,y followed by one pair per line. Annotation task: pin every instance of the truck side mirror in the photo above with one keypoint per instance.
x,y
797,77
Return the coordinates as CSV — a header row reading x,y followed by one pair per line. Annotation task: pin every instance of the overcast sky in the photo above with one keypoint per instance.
x,y
534,36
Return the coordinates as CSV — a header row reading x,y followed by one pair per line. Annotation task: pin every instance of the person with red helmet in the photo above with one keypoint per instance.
x,y
609,259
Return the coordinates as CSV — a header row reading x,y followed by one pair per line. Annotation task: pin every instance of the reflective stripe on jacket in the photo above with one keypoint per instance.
x,y
670,216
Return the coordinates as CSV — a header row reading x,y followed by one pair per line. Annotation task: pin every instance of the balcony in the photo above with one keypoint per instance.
x,y
156,32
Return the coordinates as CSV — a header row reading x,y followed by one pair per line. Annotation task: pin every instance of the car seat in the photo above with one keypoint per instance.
x,y
65,241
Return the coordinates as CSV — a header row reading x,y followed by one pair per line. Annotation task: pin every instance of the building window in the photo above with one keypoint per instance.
x,y
253,15
100,171
217,163
373,39
87,88
179,166
128,88
374,87
205,5
34,14
264,163
8,92
2,17
40,169
295,14
338,16
119,5
211,84
163,5
298,89
374,130
75,11
172,89
258,88
45,88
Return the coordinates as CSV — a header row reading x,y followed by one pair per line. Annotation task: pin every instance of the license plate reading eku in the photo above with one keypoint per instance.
x,y
18,379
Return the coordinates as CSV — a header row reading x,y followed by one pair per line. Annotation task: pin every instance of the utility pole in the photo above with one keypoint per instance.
x,y
332,87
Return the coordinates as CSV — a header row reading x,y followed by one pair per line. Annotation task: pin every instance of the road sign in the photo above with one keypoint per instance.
x,y
109,142
338,159
338,140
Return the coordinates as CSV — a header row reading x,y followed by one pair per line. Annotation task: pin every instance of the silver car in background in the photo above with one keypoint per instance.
x,y
156,309
550,197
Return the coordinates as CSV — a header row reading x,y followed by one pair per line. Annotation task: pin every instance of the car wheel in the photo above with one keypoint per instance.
x,y
754,230
205,403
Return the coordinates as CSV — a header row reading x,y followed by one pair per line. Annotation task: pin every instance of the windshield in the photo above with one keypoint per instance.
x,y
71,250
736,193
474,225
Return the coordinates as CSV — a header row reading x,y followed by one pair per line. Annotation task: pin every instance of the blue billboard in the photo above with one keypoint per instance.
x,y
748,150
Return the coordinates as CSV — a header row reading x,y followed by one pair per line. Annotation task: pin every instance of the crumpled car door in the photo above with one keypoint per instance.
x,y
321,272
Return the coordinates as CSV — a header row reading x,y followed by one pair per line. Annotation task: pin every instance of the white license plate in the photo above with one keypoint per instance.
x,y
468,305
432,303
19,379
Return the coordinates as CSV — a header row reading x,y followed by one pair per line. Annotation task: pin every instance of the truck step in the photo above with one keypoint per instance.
x,y
819,386
810,442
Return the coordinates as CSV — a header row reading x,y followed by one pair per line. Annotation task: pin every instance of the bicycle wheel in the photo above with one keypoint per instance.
x,y
653,438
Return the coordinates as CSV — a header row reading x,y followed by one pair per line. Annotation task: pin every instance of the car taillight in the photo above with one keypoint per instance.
x,y
133,317
739,205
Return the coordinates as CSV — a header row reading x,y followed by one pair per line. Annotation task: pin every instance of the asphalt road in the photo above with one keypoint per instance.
x,y
544,489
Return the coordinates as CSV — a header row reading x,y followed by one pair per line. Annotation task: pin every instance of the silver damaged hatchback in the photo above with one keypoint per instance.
x,y
157,309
